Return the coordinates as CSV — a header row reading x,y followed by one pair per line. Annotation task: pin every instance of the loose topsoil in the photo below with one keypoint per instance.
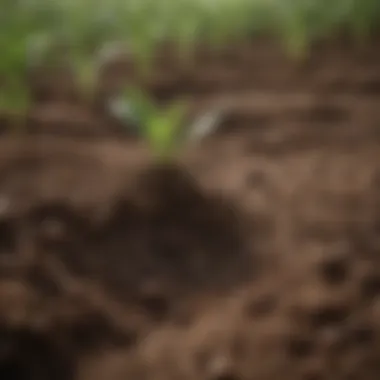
x,y
254,256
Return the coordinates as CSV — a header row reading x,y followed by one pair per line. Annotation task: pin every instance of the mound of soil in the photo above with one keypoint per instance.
x,y
142,247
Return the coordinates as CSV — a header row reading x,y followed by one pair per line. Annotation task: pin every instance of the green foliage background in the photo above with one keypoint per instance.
x,y
29,27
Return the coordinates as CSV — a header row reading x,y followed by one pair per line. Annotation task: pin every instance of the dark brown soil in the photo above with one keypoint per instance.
x,y
254,256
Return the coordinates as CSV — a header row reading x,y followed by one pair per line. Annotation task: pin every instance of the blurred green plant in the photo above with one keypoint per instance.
x,y
165,129
160,127
20,22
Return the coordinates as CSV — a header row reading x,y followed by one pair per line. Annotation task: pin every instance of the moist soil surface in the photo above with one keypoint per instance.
x,y
254,256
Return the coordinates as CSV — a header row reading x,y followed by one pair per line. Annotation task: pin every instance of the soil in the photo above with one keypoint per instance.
x,y
253,256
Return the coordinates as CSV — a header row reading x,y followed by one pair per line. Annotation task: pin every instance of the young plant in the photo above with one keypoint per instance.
x,y
164,129
14,94
26,29
160,127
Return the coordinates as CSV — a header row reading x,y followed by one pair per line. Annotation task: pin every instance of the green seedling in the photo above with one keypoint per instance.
x,y
26,27
164,129
14,94
160,127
